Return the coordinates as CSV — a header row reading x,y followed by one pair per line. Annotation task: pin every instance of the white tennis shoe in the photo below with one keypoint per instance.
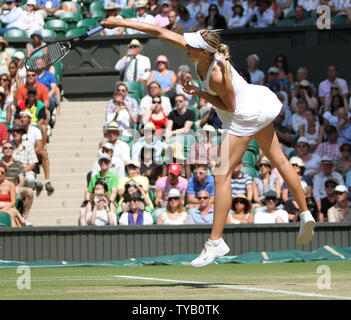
x,y
307,225
212,249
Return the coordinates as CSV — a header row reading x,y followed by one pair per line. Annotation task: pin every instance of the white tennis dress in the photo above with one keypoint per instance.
x,y
256,106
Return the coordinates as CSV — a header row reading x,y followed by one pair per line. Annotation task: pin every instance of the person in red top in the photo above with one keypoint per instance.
x,y
156,115
4,134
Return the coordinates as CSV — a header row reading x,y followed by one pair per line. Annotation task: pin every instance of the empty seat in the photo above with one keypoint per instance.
x,y
87,24
71,18
15,33
96,6
57,25
47,33
76,32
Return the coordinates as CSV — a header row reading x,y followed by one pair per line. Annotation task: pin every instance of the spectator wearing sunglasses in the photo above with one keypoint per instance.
x,y
240,212
204,213
201,180
341,211
329,200
155,114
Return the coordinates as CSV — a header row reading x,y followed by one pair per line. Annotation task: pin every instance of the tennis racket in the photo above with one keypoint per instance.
x,y
53,52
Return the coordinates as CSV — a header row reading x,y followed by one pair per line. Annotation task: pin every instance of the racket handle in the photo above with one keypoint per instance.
x,y
95,30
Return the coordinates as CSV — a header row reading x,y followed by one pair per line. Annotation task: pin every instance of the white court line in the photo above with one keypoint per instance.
x,y
236,287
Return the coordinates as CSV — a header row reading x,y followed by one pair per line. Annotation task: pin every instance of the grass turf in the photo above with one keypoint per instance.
x,y
98,283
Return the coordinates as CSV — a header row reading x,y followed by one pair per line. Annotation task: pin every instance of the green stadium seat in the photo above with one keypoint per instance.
x,y
98,15
47,33
57,25
254,147
76,32
196,112
71,18
5,219
127,13
339,19
70,6
135,87
15,33
135,96
58,72
88,23
96,6
249,159
250,171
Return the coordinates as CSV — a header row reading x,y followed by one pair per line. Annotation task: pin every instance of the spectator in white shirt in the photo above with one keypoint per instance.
x,y
196,6
13,18
34,19
141,16
262,16
309,5
238,20
340,8
112,10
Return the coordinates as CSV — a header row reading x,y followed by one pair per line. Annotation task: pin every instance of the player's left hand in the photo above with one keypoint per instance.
x,y
188,88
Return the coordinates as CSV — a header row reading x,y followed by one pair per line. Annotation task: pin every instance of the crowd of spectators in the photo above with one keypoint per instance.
x,y
159,150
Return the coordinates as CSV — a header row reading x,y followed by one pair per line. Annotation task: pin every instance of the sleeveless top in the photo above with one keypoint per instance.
x,y
314,136
164,81
179,220
159,123
236,221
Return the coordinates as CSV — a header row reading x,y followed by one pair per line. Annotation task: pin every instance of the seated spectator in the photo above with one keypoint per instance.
x,y
161,19
185,19
116,164
331,147
303,90
348,180
164,76
49,8
214,19
4,134
271,214
265,182
113,9
238,19
120,148
12,17
341,211
204,150
343,165
5,110
285,77
256,75
141,16
154,8
181,120
134,66
341,8
210,117
101,214
133,174
283,132
325,86
154,91
184,75
148,140
298,20
203,214
172,181
8,199
15,174
149,167
200,18
34,19
309,5
261,16
298,118
156,115
175,213
5,56
109,178
17,74
330,116
329,200
241,211
327,172
301,74
201,180
272,80
224,8
173,24
284,6
311,160
135,214
241,183
344,126
35,43
34,136
196,6
311,129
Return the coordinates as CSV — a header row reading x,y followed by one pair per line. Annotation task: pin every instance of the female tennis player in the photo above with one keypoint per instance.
x,y
246,111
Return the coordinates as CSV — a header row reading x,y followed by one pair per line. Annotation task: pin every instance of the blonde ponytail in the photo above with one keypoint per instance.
x,y
224,51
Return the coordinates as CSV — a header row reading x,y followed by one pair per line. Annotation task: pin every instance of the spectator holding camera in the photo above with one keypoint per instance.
x,y
101,215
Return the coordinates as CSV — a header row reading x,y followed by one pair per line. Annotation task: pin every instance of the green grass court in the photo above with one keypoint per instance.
x,y
214,282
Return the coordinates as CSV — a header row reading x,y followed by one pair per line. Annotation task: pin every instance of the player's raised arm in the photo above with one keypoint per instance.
x,y
159,32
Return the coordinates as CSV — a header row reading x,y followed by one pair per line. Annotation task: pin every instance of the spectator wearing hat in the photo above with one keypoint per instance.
x,y
331,147
201,180
12,17
265,182
256,76
341,211
311,160
156,115
34,19
325,86
109,178
148,140
112,9
134,66
241,182
173,24
343,165
329,200
34,136
173,180
310,128
272,79
154,90
203,214
164,76
327,172
141,16
271,214
240,212
303,90
120,148
5,110
175,213
135,215
301,74
161,19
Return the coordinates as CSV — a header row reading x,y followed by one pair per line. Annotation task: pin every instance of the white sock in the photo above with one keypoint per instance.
x,y
215,242
46,181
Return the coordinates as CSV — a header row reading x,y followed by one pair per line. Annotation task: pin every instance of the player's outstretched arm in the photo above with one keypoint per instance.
x,y
161,33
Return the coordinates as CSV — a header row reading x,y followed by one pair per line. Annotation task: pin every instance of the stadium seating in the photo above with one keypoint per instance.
x,y
98,15
135,87
96,6
71,18
250,171
88,23
47,33
5,219
249,159
57,25
135,96
70,6
128,13
58,73
15,33
254,147
76,32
